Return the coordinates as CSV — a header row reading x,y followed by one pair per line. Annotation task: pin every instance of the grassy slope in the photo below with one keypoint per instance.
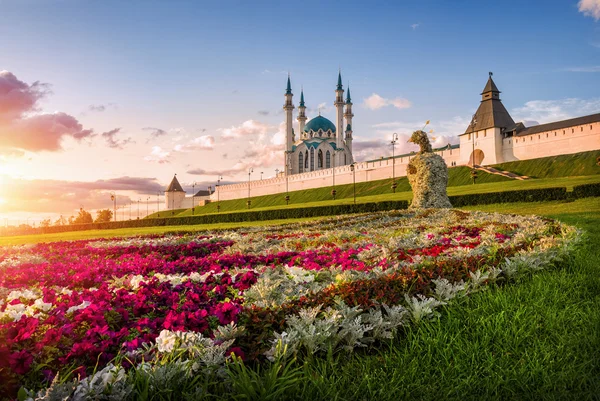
x,y
559,166
537,339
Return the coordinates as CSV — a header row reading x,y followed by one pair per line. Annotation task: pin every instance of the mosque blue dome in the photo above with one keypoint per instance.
x,y
318,123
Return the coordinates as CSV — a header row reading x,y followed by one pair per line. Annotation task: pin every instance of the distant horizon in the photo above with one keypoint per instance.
x,y
113,96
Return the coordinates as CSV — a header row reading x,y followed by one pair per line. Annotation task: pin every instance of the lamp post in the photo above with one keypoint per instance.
x,y
193,197
333,192
261,173
353,169
394,140
158,203
473,172
147,206
113,197
250,171
219,193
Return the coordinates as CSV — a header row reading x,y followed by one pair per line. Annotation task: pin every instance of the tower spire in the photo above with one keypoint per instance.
x,y
302,97
339,85
288,90
348,99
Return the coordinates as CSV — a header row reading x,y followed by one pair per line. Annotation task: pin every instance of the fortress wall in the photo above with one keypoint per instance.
x,y
364,171
579,138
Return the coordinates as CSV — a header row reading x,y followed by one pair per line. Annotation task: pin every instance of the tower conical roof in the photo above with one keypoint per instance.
x,y
339,85
491,112
302,98
348,99
174,186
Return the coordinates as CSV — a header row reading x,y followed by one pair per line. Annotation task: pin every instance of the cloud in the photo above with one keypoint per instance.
x,y
113,142
263,112
158,155
101,107
414,26
155,132
546,111
375,102
204,142
58,196
595,68
19,112
590,8
247,128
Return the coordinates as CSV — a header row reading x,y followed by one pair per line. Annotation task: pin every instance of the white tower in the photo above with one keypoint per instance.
x,y
301,114
288,106
349,116
339,123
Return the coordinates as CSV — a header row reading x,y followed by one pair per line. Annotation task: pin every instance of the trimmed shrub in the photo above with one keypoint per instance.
x,y
259,215
526,195
586,190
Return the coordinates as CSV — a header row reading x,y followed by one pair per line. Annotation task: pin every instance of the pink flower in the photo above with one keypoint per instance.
x,y
21,361
226,312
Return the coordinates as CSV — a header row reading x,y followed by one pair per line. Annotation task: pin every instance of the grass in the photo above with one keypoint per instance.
x,y
577,164
128,232
536,339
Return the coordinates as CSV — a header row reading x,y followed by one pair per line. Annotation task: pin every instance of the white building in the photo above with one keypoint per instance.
x,y
492,137
321,143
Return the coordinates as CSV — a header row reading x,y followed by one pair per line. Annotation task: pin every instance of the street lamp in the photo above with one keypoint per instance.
x,y
353,169
218,189
261,173
113,197
193,197
250,171
333,192
288,167
473,172
147,206
139,199
158,203
394,140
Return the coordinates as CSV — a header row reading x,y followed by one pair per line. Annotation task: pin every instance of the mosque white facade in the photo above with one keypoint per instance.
x,y
321,154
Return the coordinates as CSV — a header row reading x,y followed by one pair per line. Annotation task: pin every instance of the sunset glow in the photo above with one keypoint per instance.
x,y
204,100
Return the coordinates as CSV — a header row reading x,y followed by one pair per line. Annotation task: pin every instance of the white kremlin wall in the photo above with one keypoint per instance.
x,y
364,171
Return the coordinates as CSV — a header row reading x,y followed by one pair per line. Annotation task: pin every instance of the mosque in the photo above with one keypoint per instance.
x,y
321,144
321,155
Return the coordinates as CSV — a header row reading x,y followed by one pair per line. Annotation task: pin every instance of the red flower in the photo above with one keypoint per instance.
x,y
226,312
20,362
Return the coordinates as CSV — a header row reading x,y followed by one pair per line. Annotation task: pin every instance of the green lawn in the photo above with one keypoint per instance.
x,y
538,339
583,163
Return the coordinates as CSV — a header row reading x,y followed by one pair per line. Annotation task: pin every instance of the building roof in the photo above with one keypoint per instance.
x,y
491,112
316,141
302,98
318,123
592,118
203,193
339,85
174,186
348,99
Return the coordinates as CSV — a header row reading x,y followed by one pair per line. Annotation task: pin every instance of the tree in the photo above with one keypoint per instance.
x,y
45,223
61,221
82,218
103,216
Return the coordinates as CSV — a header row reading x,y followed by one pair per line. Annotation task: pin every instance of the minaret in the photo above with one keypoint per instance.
x,y
349,116
339,123
288,106
301,114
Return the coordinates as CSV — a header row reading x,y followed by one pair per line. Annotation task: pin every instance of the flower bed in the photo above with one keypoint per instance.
x,y
340,283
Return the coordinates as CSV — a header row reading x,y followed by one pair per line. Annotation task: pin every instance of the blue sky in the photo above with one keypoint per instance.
x,y
196,69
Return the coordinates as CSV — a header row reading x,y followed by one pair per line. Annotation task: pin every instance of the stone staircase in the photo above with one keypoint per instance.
x,y
508,174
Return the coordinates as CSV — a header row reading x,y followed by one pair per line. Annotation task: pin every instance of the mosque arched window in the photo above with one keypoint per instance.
x,y
320,159
301,162
327,159
312,159
306,161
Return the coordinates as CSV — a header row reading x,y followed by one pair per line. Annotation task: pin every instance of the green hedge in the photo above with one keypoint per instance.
x,y
259,215
526,195
586,190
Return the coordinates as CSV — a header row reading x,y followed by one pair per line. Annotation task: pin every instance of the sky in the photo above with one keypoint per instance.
x,y
118,96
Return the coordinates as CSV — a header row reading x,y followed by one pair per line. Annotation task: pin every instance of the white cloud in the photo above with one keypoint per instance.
x,y
546,111
375,102
590,8
414,26
247,128
158,155
204,142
